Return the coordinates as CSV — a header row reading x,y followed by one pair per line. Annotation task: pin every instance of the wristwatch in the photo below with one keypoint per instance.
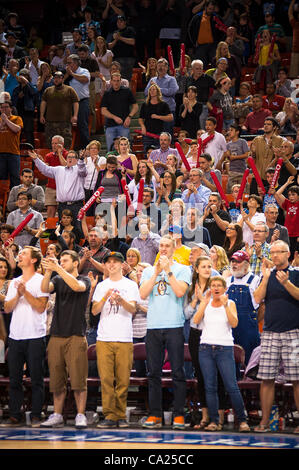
x,y
170,274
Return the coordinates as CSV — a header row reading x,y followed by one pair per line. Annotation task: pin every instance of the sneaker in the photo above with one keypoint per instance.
x,y
178,422
55,420
11,423
107,423
80,421
35,422
122,423
153,422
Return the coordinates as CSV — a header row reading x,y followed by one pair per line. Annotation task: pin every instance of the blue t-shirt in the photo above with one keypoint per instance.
x,y
282,310
165,309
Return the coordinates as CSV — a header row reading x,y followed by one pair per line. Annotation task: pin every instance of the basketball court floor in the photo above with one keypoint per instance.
x,y
138,438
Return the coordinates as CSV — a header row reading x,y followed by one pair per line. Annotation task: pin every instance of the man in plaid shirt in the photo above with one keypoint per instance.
x,y
260,249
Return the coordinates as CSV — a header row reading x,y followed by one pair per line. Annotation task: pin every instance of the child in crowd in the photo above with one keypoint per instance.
x,y
291,206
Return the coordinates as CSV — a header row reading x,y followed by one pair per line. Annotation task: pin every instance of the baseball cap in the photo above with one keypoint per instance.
x,y
114,254
77,30
10,33
175,229
240,256
121,17
203,246
58,74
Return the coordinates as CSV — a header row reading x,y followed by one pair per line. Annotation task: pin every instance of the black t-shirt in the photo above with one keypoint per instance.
x,y
284,173
203,85
69,311
125,50
155,126
118,103
217,235
91,65
281,312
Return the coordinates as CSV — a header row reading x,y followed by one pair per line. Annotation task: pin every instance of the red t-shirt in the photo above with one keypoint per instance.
x,y
276,104
255,120
52,159
292,217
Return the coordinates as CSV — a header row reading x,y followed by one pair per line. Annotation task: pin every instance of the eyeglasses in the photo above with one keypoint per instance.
x,y
259,231
278,252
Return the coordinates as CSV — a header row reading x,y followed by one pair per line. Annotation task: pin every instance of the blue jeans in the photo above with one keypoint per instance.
x,y
10,166
83,117
171,339
211,359
113,132
32,352
203,116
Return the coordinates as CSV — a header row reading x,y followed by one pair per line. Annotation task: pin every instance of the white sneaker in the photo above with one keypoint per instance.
x,y
81,421
55,420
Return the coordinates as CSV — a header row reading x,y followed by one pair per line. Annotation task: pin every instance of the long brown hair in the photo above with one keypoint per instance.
x,y
191,289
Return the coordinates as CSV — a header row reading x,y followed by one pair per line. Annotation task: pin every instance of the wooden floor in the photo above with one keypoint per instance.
x,y
137,438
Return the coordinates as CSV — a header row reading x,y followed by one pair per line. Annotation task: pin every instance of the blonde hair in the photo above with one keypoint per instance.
x,y
180,203
159,97
222,259
94,142
136,252
218,50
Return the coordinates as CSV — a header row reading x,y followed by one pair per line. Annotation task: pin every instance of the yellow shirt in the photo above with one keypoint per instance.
x,y
205,35
264,52
181,255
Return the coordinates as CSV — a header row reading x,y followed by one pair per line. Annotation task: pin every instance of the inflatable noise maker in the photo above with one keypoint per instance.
x,y
128,197
242,186
140,195
90,202
251,163
170,59
276,174
182,155
183,59
148,134
19,229
219,188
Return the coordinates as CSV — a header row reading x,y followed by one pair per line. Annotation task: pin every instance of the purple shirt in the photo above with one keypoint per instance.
x,y
161,155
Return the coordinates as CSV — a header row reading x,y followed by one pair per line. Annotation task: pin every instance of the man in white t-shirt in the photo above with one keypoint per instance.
x,y
217,145
115,298
27,342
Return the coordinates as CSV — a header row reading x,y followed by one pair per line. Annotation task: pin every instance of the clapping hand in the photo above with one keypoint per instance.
x,y
164,263
21,288
50,264
282,277
93,280
266,271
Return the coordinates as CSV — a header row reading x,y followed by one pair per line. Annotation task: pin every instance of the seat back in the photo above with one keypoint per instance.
x,y
239,354
139,352
92,352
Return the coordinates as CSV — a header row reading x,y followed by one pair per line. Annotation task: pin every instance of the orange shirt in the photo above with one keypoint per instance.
x,y
205,35
10,141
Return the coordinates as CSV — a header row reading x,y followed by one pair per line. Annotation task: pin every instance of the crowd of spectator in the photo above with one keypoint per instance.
x,y
164,255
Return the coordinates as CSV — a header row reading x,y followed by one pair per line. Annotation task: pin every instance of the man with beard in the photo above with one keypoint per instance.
x,y
262,149
205,33
241,286
59,110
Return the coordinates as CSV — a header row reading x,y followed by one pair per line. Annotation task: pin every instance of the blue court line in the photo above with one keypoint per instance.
x,y
254,441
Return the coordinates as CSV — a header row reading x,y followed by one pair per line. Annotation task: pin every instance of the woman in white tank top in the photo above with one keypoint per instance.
x,y
219,315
